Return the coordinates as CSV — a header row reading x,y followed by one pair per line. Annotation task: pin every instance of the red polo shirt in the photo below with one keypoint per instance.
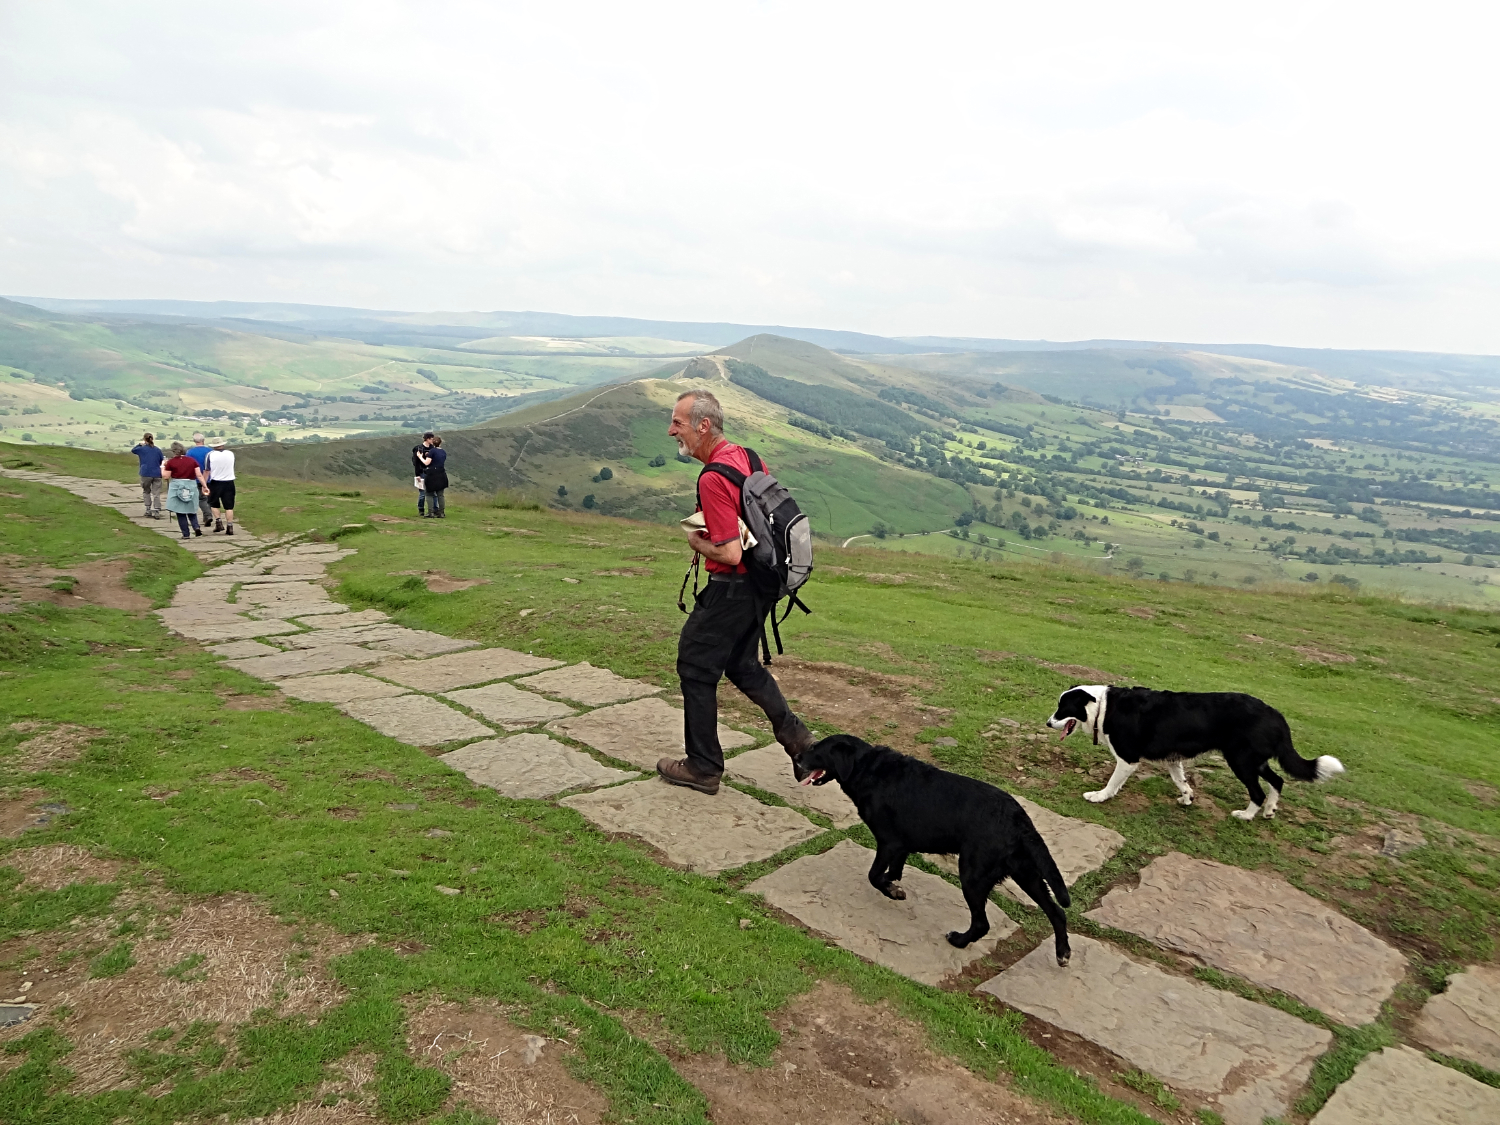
x,y
720,502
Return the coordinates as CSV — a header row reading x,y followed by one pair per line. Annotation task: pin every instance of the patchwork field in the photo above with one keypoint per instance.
x,y
226,900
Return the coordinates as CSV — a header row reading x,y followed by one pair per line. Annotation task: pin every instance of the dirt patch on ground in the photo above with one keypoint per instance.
x,y
1082,671
1322,656
21,812
234,702
103,583
877,706
500,1070
377,518
625,572
841,1062
97,583
441,582
61,865
1487,794
216,960
63,743
1144,612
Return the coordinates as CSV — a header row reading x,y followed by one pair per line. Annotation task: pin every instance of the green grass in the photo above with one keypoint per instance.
x,y
651,941
1409,717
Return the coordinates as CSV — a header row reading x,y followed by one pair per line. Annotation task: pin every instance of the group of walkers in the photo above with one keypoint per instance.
x,y
200,478
194,479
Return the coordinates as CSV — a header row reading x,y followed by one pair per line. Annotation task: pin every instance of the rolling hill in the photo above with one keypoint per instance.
x,y
843,484
1223,465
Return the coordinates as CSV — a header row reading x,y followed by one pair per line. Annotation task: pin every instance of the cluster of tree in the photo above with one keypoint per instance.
x,y
1481,542
818,428
917,399
836,407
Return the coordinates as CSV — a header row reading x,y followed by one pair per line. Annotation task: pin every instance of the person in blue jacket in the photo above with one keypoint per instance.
x,y
151,459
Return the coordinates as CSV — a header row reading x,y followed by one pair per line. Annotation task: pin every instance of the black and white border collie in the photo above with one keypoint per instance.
x,y
1138,723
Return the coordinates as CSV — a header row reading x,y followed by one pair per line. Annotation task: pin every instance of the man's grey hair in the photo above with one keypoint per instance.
x,y
198,438
705,405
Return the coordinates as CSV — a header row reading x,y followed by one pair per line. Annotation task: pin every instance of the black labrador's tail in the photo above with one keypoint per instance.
x,y
1037,848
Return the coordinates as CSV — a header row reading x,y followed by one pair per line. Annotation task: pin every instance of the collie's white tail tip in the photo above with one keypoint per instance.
x,y
1329,766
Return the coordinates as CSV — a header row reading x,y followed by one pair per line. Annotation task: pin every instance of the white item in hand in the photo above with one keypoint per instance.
x,y
696,523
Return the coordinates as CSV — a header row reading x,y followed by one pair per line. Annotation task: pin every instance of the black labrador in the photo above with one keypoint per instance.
x,y
911,806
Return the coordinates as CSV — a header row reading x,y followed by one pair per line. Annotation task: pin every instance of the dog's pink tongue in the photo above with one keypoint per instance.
x,y
812,777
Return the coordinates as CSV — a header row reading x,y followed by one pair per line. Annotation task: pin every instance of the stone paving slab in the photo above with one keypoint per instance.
x,y
1249,1059
207,624
1464,1020
444,673
202,591
279,593
330,658
1399,1086
1077,847
419,642
240,650
343,687
831,893
770,769
283,610
510,707
1261,928
415,719
359,635
640,732
342,618
704,834
530,766
586,684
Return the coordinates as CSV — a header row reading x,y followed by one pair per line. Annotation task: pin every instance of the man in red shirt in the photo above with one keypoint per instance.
x,y
722,633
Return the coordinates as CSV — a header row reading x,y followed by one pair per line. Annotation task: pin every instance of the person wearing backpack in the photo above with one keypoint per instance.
x,y
727,622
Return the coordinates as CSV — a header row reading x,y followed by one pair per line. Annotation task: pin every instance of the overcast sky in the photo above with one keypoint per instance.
x,y
1305,173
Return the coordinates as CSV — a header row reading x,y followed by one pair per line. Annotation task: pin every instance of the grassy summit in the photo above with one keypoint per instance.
x,y
201,781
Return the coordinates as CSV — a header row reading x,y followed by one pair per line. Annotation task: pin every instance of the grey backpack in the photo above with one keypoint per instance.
x,y
782,559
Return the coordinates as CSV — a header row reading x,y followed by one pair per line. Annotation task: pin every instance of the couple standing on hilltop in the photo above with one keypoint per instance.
x,y
429,463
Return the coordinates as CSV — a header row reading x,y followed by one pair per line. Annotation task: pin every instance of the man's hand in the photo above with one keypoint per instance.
x,y
727,553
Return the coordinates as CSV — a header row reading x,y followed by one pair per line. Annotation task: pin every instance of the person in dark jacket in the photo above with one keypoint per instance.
x,y
419,468
435,478
151,457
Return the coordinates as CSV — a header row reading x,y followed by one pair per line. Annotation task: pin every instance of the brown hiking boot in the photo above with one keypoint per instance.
x,y
679,771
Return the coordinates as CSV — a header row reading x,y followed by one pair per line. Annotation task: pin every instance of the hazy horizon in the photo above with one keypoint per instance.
x,y
1282,175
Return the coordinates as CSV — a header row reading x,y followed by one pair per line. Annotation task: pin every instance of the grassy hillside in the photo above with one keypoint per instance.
x,y
94,382
566,444
1188,466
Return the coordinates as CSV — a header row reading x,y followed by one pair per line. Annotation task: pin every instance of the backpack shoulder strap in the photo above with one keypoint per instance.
x,y
728,472
756,464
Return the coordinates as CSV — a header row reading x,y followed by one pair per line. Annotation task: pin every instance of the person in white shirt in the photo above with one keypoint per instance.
x,y
221,486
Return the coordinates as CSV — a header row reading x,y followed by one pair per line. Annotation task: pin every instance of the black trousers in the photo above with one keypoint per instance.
x,y
722,638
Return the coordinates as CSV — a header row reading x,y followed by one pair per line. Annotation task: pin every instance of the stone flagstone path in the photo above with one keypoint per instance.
x,y
264,610
1399,1086
1260,928
1464,1021
1246,1058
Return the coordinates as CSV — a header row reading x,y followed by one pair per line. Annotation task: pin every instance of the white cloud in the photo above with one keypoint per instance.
x,y
1292,173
